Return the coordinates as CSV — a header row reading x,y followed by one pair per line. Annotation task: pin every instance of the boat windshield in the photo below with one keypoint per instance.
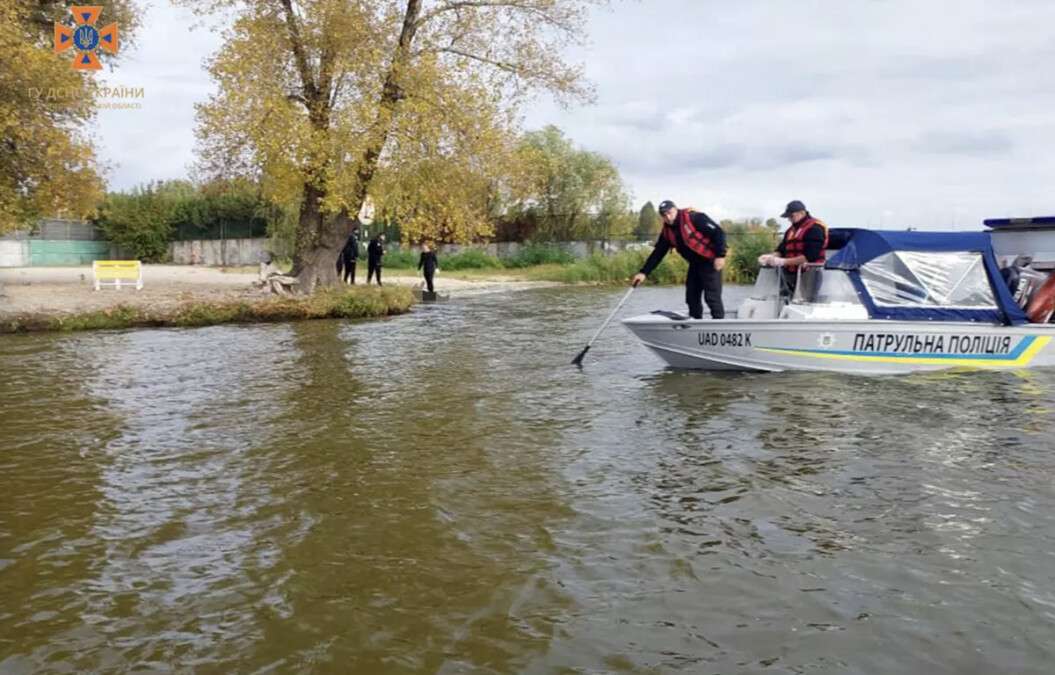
x,y
821,286
920,279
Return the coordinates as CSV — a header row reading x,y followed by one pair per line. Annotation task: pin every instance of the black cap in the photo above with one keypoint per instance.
x,y
793,206
665,205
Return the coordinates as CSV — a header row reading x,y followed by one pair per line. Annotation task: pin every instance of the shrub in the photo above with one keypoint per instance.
x,y
399,259
140,224
741,265
469,259
618,268
539,254
742,262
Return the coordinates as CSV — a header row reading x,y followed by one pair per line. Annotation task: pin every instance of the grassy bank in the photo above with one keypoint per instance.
x,y
358,303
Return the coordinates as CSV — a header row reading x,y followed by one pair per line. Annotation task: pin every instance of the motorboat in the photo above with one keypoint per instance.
x,y
885,302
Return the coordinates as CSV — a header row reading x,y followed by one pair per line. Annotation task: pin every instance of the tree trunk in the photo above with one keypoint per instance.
x,y
319,241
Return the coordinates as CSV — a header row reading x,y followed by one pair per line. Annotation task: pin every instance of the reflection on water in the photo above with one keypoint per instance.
x,y
440,492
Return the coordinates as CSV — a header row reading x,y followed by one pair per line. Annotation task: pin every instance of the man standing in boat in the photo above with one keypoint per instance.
x,y
804,242
699,240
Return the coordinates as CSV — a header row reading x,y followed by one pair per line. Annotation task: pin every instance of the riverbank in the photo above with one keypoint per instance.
x,y
62,298
358,303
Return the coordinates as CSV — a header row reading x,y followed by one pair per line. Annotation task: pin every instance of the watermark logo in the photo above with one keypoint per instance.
x,y
85,38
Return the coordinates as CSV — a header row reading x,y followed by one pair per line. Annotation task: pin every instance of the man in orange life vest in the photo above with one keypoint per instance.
x,y
701,242
804,242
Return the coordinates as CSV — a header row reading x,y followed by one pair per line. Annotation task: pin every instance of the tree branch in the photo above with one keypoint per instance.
x,y
502,65
311,91
486,4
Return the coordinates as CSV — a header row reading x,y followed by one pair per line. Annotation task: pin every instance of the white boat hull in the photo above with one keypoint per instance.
x,y
864,347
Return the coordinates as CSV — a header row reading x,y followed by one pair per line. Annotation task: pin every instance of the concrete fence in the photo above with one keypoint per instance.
x,y
249,251
53,252
218,252
20,250
14,252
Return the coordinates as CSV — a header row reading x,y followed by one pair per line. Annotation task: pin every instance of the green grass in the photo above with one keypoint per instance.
x,y
533,255
741,267
530,255
742,260
401,260
356,303
612,269
470,259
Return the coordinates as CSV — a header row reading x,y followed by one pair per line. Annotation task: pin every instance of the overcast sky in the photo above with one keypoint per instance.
x,y
925,113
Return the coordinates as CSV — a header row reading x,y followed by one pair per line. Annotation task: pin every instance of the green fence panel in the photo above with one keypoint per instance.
x,y
54,253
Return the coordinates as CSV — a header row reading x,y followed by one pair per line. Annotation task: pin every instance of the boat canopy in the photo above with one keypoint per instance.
x,y
1035,223
925,276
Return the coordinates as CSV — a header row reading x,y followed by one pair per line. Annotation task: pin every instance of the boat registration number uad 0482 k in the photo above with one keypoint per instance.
x,y
716,339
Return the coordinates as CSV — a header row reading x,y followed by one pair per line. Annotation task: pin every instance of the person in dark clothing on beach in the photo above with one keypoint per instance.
x,y
699,240
349,257
375,251
429,264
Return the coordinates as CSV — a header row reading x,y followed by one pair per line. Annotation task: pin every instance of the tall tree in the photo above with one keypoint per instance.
x,y
568,192
327,100
647,222
47,160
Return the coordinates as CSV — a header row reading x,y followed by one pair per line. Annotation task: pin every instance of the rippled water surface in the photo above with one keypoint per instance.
x,y
442,492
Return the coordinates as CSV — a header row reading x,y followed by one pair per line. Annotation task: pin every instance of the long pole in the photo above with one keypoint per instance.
x,y
577,361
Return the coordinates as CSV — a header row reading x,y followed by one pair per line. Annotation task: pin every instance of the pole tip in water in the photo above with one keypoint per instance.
x,y
577,361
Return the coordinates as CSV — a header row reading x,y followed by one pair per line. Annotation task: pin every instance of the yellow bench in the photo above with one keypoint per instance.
x,y
118,273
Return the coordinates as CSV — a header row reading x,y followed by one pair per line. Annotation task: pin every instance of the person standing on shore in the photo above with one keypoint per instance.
x,y
375,252
349,257
699,240
429,264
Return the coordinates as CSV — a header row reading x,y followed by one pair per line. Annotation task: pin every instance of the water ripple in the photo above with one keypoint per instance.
x,y
440,492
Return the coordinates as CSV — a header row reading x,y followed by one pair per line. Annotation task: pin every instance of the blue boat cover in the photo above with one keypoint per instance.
x,y
1034,223
861,246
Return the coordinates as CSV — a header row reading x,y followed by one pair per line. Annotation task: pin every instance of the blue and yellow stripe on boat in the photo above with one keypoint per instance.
x,y
1023,353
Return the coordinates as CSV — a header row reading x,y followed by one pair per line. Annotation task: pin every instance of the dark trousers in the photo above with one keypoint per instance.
x,y
349,271
428,279
704,280
373,268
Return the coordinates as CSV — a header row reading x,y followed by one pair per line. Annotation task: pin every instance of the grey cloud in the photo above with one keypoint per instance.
x,y
754,100
739,156
968,143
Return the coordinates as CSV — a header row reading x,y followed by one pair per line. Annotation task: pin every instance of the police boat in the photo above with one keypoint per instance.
x,y
885,302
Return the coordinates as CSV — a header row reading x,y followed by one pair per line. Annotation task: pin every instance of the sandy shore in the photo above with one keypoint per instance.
x,y
64,290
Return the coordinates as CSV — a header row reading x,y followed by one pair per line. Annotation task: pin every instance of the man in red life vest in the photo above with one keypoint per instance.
x,y
804,242
701,242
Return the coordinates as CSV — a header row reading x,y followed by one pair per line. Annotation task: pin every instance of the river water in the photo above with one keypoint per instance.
x,y
442,492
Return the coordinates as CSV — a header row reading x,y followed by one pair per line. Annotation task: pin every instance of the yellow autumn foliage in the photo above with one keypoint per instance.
x,y
410,102
47,162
